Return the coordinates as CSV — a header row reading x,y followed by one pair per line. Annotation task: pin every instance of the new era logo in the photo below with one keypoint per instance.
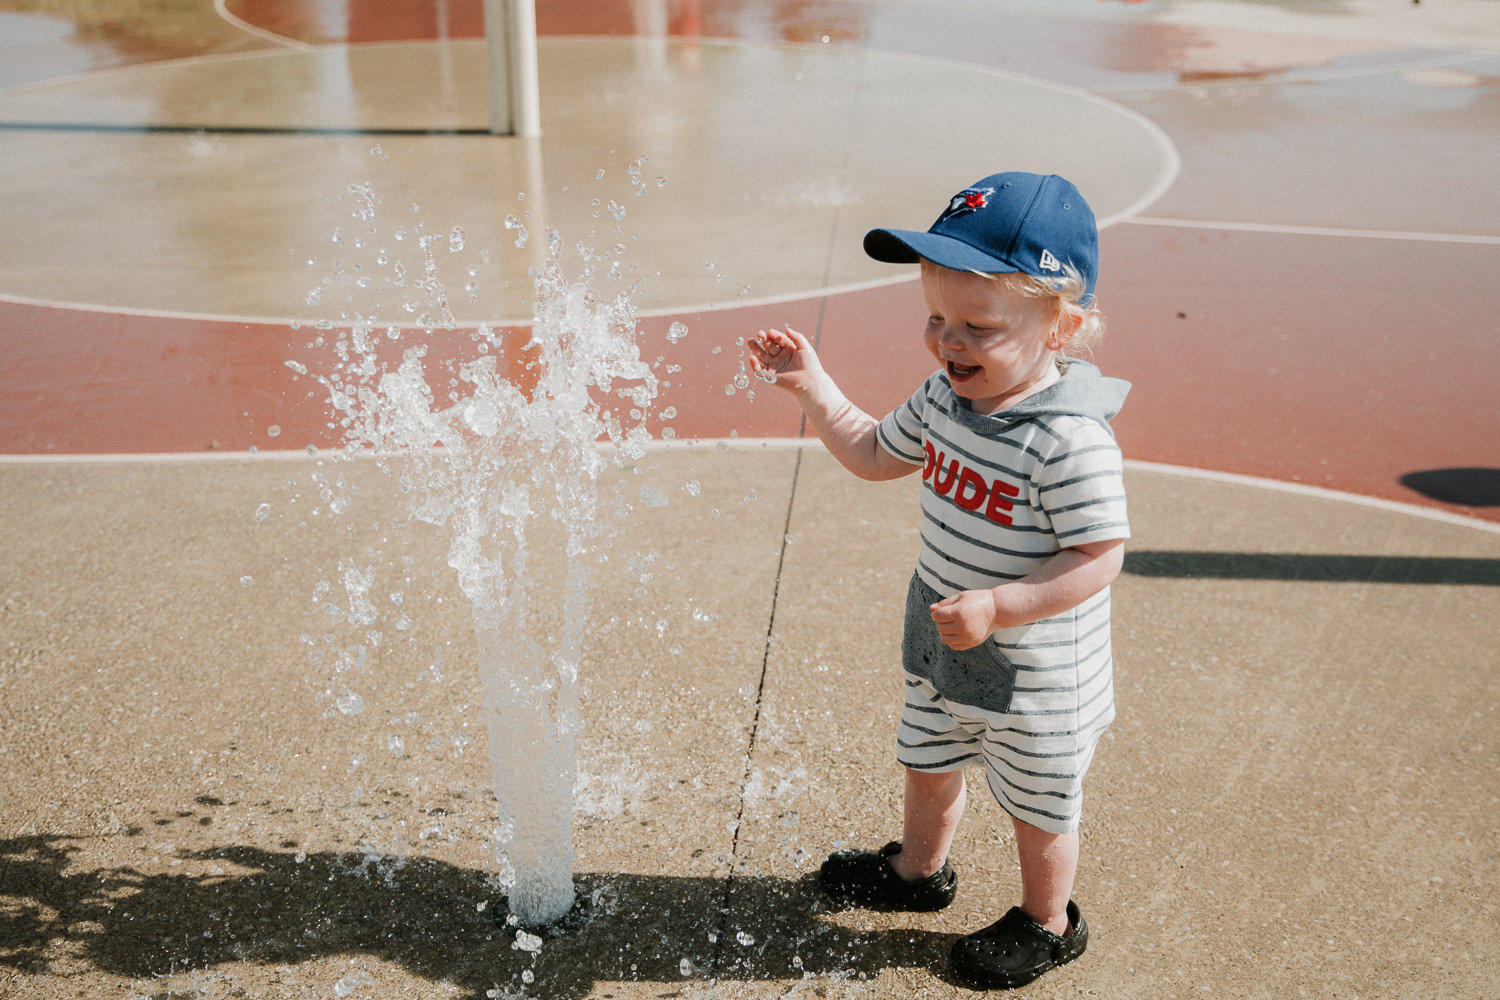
x,y
1049,262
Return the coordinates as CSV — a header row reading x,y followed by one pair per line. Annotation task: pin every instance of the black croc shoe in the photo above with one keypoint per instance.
x,y
864,879
1016,949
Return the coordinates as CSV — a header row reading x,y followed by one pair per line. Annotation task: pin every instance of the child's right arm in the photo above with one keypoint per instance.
x,y
787,359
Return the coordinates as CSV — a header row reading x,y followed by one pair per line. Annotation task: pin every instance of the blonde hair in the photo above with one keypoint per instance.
x,y
1065,294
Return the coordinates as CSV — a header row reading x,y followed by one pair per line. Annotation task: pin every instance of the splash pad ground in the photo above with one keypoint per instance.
x,y
210,785
188,811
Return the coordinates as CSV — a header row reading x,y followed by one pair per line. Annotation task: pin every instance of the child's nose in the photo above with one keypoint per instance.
x,y
950,337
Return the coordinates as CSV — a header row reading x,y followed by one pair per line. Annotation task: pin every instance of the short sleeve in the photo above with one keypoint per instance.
x,y
1081,486
903,432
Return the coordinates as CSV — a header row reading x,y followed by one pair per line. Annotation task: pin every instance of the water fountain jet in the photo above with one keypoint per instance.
x,y
521,441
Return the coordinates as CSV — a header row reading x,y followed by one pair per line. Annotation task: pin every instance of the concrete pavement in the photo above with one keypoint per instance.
x,y
194,806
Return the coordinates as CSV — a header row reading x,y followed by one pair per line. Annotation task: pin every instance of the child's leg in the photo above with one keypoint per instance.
x,y
933,806
1048,864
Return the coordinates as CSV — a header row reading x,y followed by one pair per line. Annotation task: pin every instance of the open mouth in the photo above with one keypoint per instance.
x,y
961,372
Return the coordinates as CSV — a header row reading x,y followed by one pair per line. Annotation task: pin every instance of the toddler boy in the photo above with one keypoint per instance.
x,y
1006,649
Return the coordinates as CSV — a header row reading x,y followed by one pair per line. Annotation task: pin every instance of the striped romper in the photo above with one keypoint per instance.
x,y
1001,493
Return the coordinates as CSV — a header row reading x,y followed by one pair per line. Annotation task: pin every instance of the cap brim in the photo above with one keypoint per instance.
x,y
906,246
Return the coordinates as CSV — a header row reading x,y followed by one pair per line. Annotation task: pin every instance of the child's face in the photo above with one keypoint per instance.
x,y
997,344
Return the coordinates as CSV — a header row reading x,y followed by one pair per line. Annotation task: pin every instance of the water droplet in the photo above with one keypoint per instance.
x,y
745,938
693,487
273,431
514,222
685,967
262,512
296,366
617,210
669,413
376,151
395,744
676,332
742,381
247,581
456,240
661,182
352,981
350,703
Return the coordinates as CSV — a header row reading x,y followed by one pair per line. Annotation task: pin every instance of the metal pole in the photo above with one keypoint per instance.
x,y
510,39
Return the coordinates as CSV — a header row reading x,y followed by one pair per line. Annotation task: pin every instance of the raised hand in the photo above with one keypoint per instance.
x,y
785,358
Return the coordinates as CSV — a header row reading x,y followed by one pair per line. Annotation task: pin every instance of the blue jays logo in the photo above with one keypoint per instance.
x,y
966,201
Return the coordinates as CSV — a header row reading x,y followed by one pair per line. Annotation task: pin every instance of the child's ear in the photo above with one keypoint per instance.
x,y
1064,328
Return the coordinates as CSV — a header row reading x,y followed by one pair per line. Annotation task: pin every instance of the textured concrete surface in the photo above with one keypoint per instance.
x,y
1296,797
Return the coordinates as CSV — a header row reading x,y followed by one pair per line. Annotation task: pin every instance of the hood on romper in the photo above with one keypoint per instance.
x,y
1082,391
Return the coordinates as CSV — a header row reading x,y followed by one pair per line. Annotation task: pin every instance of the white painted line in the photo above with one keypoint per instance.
x,y
165,457
1269,227
94,307
727,444
223,11
1315,492
1294,75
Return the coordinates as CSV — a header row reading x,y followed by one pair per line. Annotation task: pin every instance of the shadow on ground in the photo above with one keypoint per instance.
x,y
248,904
1457,571
1469,486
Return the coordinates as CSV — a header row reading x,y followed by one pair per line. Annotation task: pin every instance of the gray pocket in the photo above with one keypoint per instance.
x,y
981,677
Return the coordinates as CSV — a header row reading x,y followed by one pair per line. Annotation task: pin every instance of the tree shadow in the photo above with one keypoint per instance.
x,y
247,904
1324,568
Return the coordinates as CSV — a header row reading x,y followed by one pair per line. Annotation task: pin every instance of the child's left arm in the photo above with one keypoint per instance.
x,y
1064,581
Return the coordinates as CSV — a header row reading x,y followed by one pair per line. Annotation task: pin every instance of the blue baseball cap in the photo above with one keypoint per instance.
x,y
1031,223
